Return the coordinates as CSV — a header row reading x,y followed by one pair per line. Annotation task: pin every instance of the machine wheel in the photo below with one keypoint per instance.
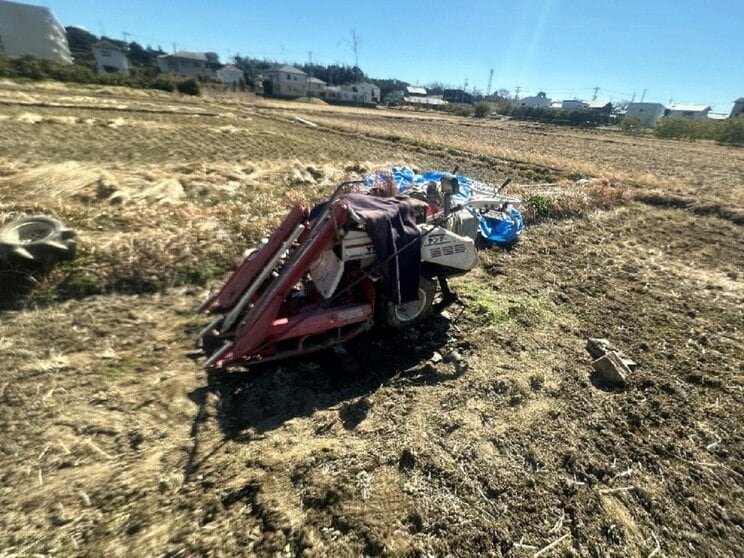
x,y
401,316
39,241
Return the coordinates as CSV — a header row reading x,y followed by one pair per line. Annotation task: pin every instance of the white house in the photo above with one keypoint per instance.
x,y
367,93
230,75
538,101
687,111
357,93
32,30
110,58
315,87
287,81
648,113
185,63
738,107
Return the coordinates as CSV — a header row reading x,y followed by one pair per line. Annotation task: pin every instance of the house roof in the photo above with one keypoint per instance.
x,y
107,44
597,103
315,80
230,68
200,56
287,69
718,115
415,90
688,108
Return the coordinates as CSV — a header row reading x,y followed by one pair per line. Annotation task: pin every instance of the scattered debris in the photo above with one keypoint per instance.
x,y
40,241
610,363
298,120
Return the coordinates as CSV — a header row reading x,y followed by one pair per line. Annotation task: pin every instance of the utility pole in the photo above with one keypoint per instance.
x,y
517,89
490,81
633,97
644,95
594,98
310,57
174,48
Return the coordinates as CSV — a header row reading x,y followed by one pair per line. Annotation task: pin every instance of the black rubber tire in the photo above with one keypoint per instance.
x,y
406,315
39,241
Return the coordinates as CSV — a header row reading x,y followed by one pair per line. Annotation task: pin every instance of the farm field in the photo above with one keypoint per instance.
x,y
482,432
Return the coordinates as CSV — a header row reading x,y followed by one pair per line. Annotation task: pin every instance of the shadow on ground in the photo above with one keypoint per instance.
x,y
263,398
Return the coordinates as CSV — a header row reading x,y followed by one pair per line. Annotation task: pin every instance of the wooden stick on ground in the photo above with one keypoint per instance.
x,y
552,545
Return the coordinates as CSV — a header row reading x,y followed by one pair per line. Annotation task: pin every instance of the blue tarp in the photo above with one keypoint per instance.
x,y
504,230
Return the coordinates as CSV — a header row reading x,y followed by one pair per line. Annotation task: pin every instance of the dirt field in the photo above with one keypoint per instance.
x,y
482,432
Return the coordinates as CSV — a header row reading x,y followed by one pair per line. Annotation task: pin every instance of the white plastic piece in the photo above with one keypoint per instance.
x,y
446,248
326,273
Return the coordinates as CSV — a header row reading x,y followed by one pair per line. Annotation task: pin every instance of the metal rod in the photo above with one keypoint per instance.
x,y
246,298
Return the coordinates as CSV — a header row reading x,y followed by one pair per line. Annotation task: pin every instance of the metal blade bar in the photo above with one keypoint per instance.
x,y
246,298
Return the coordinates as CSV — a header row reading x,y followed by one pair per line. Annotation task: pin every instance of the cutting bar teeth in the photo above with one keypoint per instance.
x,y
209,327
55,244
216,356
21,252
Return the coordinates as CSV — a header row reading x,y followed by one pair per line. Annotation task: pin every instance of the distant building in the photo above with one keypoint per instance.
x,y
648,113
185,63
538,101
355,93
315,87
286,81
598,106
717,116
429,101
687,111
415,91
573,104
33,31
457,96
230,75
394,97
110,58
738,107
368,93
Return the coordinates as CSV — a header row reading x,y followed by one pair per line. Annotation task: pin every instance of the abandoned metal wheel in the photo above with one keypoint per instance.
x,y
39,240
410,313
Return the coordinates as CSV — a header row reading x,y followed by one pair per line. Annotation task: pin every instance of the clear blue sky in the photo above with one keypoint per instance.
x,y
689,51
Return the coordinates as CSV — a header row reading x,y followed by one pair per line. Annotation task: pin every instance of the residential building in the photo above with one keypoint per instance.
x,y
598,106
230,75
738,107
394,97
367,93
648,113
355,93
457,96
538,101
687,111
573,104
27,30
110,58
286,81
315,87
185,63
